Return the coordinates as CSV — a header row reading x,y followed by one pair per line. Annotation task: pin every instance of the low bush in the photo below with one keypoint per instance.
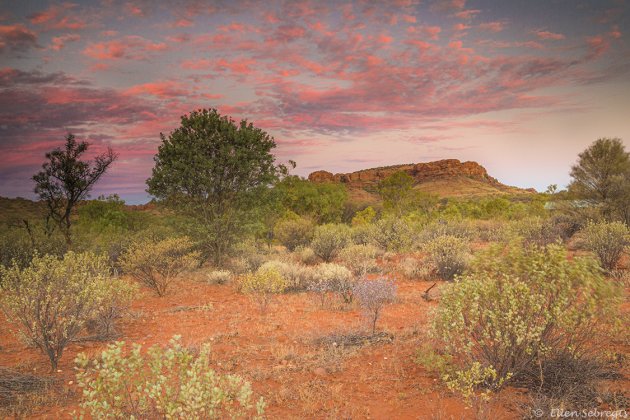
x,y
372,296
449,255
53,299
156,263
306,255
607,241
219,276
415,269
332,278
297,277
174,382
517,307
294,232
263,285
329,239
363,234
536,231
360,259
393,234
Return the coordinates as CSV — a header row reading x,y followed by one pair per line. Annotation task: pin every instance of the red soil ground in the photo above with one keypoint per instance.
x,y
277,353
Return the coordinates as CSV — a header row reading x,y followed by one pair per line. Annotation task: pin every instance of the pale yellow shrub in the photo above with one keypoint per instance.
x,y
263,285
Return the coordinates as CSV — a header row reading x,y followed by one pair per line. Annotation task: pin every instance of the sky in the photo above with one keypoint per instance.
x,y
519,86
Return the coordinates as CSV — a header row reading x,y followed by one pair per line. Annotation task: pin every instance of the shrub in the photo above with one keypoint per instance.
x,y
360,259
158,263
174,382
363,234
262,285
463,229
536,231
306,255
449,255
607,241
219,276
52,299
364,217
372,296
393,234
294,232
297,276
333,278
103,324
415,269
329,239
517,306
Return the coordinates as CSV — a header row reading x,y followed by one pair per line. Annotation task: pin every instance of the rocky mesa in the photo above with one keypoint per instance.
x,y
448,177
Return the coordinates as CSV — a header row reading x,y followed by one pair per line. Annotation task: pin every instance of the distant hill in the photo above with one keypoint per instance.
x,y
446,178
14,210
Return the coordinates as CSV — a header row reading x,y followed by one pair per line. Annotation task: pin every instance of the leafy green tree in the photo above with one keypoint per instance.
x,y
399,196
215,170
602,177
65,180
322,202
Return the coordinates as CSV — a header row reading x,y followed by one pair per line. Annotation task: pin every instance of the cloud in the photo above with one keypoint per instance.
x,y
545,35
130,47
17,38
494,27
59,42
61,16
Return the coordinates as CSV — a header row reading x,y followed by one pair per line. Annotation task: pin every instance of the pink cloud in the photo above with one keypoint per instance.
x,y
495,27
129,47
17,37
59,17
59,42
165,89
549,35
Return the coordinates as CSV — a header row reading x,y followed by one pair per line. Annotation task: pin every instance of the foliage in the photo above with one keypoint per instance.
x,y
297,276
19,244
263,284
393,234
364,217
329,239
322,202
173,382
360,259
213,170
333,278
449,254
156,263
219,276
65,180
364,234
415,269
400,198
52,299
306,255
294,232
607,241
372,296
601,177
514,307
536,231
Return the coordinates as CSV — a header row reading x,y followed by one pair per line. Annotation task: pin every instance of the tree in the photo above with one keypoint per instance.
x,y
399,196
322,202
65,180
602,177
213,170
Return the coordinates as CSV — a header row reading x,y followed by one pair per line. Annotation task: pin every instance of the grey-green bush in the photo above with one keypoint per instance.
x,y
329,239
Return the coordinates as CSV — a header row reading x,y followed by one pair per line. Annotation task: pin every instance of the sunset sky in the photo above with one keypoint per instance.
x,y
519,86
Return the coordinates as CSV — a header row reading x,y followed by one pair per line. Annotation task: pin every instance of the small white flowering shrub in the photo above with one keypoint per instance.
x,y
158,263
372,296
449,255
332,278
329,239
515,307
263,285
52,299
360,259
607,241
172,383
219,276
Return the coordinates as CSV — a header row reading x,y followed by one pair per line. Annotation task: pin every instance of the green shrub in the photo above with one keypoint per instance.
x,y
607,241
174,383
364,217
158,263
329,239
415,269
294,232
263,285
53,299
536,231
297,276
360,259
393,234
449,255
364,234
515,307
332,278
306,255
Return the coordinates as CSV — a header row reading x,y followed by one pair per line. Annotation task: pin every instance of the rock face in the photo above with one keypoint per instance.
x,y
421,172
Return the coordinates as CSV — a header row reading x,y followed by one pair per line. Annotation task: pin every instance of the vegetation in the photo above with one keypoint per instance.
x,y
360,259
263,285
449,254
213,170
65,180
172,382
53,299
329,239
372,296
156,263
608,241
294,232
517,307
